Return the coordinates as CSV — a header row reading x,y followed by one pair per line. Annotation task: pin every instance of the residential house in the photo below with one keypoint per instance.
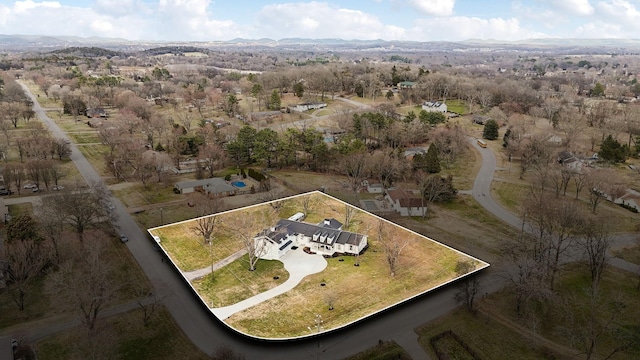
x,y
305,107
326,238
566,158
631,198
480,120
375,188
434,106
406,202
96,113
411,152
216,187
406,85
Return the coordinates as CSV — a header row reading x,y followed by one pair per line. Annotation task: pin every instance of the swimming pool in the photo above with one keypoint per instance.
x,y
238,184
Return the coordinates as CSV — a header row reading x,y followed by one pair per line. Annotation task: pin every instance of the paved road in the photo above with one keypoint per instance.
x,y
482,187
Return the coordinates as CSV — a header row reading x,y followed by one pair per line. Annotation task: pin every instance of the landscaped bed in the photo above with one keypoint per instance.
x,y
336,293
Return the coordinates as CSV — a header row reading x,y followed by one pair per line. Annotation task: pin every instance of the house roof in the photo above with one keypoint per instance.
x,y
330,223
212,185
326,235
405,198
434,104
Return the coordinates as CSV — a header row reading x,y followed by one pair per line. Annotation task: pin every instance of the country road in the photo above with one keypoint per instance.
x,y
208,334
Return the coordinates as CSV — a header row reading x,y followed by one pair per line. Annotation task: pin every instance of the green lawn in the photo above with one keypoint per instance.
x,y
457,106
88,137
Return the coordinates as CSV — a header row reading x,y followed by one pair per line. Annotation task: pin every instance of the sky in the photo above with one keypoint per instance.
x,y
412,20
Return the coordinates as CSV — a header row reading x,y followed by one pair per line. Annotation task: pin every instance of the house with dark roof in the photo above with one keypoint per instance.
x,y
213,186
406,202
434,106
326,238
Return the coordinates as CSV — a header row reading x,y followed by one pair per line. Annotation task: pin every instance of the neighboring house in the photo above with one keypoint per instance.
x,y
214,186
630,198
480,120
96,113
434,106
306,106
411,152
566,158
406,202
326,238
375,189
554,139
406,85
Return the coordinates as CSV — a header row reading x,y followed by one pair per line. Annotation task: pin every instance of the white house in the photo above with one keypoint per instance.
x,y
213,186
325,238
434,106
306,106
405,202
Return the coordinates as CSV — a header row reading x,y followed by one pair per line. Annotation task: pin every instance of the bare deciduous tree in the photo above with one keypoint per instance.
x,y
391,244
85,283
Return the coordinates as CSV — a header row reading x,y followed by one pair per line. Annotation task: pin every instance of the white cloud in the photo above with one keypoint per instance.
x,y
616,18
434,7
321,20
572,7
459,28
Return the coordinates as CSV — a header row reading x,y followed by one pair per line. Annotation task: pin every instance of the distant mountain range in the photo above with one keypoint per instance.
x,y
21,43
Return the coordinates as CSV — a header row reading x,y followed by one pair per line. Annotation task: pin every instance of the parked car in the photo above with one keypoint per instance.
x,y
124,238
57,188
30,186
36,190
5,192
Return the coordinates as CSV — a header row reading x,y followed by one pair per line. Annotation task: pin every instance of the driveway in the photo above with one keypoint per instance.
x,y
299,265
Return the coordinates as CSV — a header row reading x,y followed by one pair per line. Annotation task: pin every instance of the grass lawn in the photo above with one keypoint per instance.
x,y
487,337
37,305
385,350
630,254
85,137
122,337
138,194
95,156
234,283
19,209
187,248
457,106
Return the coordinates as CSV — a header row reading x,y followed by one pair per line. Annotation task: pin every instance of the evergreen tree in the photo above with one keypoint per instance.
x,y
505,138
432,160
274,102
298,89
612,150
490,130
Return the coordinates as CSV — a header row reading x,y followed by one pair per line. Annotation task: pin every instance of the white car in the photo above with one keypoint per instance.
x,y
30,186
57,188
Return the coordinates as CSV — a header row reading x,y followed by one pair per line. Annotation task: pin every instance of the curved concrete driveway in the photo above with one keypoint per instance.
x,y
299,265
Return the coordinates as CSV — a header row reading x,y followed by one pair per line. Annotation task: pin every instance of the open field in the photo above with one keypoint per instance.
x,y
489,338
122,337
423,265
552,318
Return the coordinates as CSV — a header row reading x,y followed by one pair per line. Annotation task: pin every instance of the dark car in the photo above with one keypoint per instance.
x,y
124,238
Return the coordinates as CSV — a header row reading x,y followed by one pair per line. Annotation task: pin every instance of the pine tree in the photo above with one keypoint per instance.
x,y
432,160
274,103
490,130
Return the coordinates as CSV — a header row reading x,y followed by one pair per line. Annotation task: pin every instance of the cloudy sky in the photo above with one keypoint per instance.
x,y
417,20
